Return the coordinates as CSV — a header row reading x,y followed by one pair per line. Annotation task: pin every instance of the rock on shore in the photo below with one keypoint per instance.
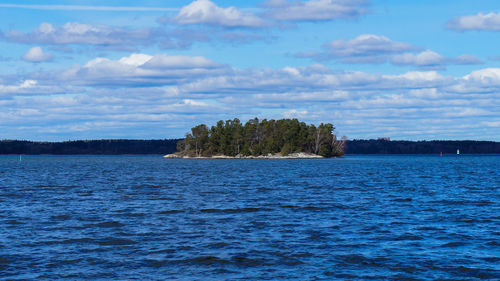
x,y
299,155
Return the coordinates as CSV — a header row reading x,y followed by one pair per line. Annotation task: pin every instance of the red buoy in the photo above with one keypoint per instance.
x,y
441,154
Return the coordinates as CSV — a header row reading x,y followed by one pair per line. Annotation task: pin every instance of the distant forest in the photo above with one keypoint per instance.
x,y
421,147
167,146
101,147
261,137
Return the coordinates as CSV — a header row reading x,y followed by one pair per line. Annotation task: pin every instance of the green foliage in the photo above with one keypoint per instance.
x,y
257,137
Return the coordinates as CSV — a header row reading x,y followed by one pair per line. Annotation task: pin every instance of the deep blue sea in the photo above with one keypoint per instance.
x,y
149,218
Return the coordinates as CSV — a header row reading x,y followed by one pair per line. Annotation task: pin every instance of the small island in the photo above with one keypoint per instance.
x,y
284,138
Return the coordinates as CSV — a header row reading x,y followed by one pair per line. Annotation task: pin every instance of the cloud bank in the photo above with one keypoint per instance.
x,y
175,92
377,49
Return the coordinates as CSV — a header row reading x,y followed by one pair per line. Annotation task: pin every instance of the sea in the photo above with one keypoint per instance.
x,y
359,217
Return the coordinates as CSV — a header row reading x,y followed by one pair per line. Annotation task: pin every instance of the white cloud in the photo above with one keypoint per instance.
x,y
206,12
373,49
431,59
28,87
425,58
78,33
484,77
366,48
179,62
133,59
481,21
465,59
315,10
299,114
36,54
416,80
142,70
128,39
28,84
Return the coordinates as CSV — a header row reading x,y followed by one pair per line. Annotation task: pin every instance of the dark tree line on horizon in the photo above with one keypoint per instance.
x,y
97,147
421,147
261,137
168,146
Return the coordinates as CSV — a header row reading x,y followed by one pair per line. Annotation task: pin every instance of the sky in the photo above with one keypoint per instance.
x,y
407,70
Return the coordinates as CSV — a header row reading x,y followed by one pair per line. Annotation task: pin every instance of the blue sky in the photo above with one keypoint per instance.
x,y
411,70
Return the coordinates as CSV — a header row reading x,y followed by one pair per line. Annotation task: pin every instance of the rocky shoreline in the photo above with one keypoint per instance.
x,y
299,155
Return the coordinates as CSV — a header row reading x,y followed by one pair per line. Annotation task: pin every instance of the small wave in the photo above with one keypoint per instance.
x,y
315,186
110,241
77,241
341,276
360,259
482,202
473,220
168,212
449,202
134,215
453,244
45,185
462,202
206,260
410,237
315,208
474,272
14,222
407,269
218,245
242,260
162,251
365,184
156,263
12,195
400,223
214,260
108,224
232,211
148,186
493,243
60,217
65,262
429,228
402,200
491,259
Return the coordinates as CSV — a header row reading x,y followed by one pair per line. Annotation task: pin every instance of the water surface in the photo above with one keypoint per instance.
x,y
148,218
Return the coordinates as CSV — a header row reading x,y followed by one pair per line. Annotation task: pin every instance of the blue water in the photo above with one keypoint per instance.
x,y
148,218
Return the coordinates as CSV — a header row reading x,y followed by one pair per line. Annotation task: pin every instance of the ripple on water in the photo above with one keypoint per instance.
x,y
114,241
233,211
108,224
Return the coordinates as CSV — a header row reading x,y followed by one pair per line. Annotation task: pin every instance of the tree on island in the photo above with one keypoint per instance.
x,y
254,138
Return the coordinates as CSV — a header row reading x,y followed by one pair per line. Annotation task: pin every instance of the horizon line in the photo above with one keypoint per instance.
x,y
142,139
